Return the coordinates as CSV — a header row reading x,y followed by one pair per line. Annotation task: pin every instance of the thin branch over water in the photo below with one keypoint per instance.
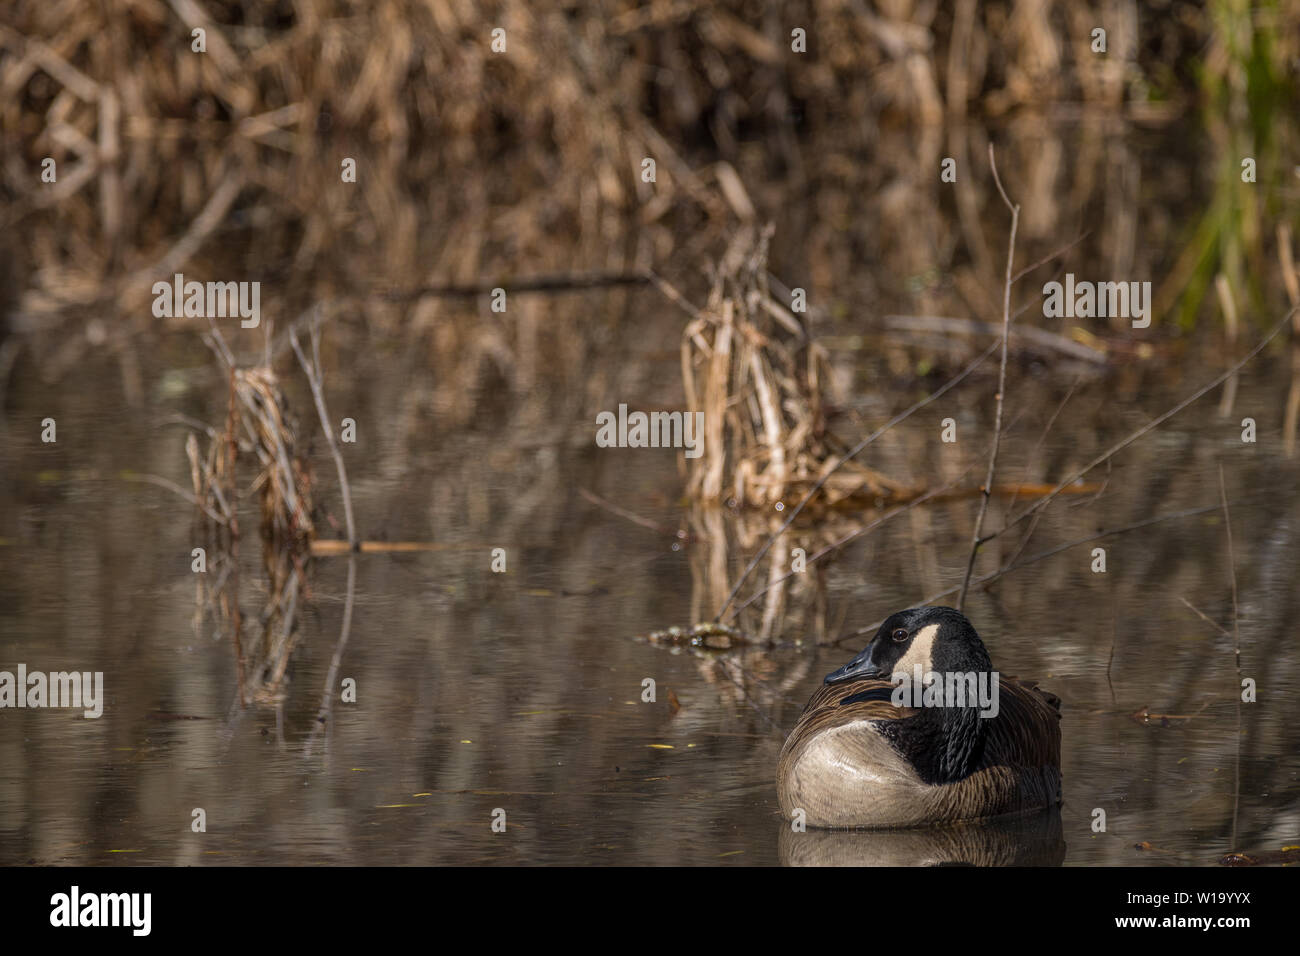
x,y
1002,384
852,453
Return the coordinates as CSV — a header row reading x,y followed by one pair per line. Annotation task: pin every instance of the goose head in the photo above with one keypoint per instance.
x,y
937,638
946,739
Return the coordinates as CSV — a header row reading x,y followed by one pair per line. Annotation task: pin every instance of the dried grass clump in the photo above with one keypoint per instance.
x,y
751,366
258,429
284,479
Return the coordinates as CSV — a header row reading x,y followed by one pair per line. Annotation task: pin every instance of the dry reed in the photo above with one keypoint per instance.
x,y
750,365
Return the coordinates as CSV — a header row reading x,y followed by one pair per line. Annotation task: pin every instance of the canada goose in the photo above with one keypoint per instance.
x,y
865,755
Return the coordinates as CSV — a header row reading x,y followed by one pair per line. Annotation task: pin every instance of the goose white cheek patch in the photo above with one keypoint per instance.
x,y
918,685
920,652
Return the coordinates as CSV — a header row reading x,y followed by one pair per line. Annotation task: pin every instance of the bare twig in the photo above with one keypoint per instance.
x,y
744,692
1033,336
313,372
1149,426
851,536
669,292
1110,660
852,453
189,422
1048,258
1040,556
569,282
177,489
600,502
1291,280
1002,386
231,608
208,219
1236,646
1205,617
1047,429
331,679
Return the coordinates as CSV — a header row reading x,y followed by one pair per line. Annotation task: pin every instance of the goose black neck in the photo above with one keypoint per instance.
x,y
943,744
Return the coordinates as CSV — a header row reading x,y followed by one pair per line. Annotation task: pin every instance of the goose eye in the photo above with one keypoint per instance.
x,y
900,634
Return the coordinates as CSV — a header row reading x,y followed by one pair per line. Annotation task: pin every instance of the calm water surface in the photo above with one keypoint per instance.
x,y
522,690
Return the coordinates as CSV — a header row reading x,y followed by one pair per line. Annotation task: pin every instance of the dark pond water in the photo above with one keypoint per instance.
x,y
522,690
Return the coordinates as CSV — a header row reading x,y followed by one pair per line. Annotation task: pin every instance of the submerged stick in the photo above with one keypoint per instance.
x,y
1002,385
